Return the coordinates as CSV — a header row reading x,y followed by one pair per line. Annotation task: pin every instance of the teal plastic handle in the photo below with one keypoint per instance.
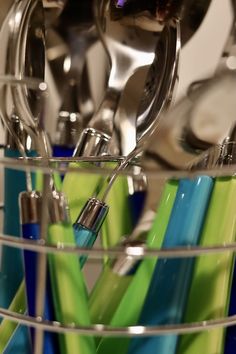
x,y
211,280
84,238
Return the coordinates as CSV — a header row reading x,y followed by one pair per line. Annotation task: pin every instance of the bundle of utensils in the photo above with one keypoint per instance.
x,y
128,169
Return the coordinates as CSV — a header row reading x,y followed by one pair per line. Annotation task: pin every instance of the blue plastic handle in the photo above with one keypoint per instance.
x,y
63,151
83,238
167,295
136,204
11,259
230,338
32,232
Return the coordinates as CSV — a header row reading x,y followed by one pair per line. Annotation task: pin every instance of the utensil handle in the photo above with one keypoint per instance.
x,y
230,337
15,337
69,293
106,295
63,151
32,232
84,238
136,203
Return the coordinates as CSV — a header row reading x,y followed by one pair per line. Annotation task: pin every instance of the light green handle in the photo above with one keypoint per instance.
x,y
69,293
106,295
129,309
210,289
118,221
7,327
78,187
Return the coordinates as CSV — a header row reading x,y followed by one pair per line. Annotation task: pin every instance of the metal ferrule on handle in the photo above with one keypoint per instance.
x,y
69,124
18,129
93,214
127,265
219,156
228,154
92,143
30,203
58,208
68,128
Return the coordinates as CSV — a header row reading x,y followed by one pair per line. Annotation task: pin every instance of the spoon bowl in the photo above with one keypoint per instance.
x,y
152,14
129,48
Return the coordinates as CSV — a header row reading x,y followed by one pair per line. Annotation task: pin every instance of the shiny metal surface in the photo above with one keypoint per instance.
x,y
161,81
92,143
125,264
69,121
149,14
58,208
129,49
93,215
30,207
25,139
129,331
26,42
68,43
98,253
22,39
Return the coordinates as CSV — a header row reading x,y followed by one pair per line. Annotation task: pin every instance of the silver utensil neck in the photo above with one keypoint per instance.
x,y
69,127
218,156
126,265
93,215
137,183
17,128
30,207
92,143
58,208
227,153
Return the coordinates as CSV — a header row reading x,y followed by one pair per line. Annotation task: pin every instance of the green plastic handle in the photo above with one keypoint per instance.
x,y
69,293
78,187
7,327
128,311
39,181
106,294
210,288
118,221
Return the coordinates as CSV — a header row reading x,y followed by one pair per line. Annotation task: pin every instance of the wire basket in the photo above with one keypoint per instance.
x,y
116,259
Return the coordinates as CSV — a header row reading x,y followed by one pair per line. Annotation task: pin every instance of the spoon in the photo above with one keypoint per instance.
x,y
151,96
129,49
